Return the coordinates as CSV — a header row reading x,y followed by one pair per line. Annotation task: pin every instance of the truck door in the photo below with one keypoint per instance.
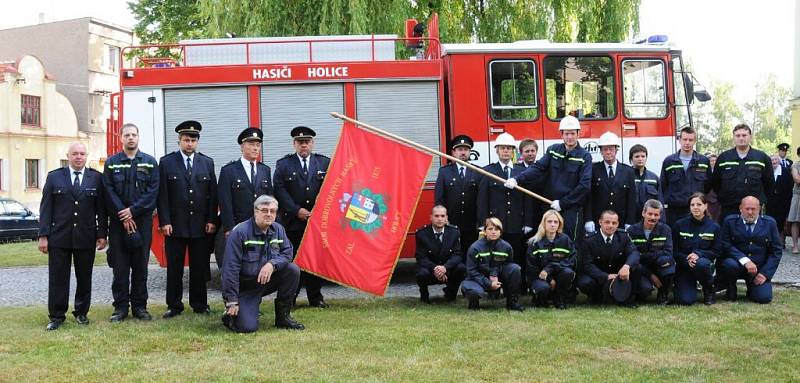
x,y
513,101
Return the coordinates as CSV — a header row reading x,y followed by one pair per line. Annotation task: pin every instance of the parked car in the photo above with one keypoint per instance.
x,y
17,222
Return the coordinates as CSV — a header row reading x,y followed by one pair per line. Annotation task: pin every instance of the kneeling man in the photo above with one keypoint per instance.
x,y
438,254
751,250
258,262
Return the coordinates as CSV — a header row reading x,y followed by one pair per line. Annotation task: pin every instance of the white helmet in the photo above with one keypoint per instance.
x,y
569,123
608,139
505,139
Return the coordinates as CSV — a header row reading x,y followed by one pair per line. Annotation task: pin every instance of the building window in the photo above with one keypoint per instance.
x,y
64,163
112,58
31,110
31,174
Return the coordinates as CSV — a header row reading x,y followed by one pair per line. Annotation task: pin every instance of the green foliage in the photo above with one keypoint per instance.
x,y
402,340
768,114
460,20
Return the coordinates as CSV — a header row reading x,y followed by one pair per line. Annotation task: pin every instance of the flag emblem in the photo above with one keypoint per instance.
x,y
365,211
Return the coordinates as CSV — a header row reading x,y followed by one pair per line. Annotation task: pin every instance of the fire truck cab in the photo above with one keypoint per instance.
x,y
412,86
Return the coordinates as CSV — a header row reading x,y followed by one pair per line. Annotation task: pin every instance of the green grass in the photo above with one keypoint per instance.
x,y
27,253
399,339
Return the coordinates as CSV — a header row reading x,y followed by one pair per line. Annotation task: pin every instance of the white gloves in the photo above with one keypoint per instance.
x,y
510,183
526,229
555,206
589,226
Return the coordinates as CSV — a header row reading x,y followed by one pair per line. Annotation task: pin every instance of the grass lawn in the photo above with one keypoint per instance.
x,y
400,339
27,254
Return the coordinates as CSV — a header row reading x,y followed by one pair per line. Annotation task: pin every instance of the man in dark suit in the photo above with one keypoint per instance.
x,y
783,149
508,205
613,186
298,178
606,256
751,250
241,181
72,224
779,201
187,213
130,180
439,257
457,190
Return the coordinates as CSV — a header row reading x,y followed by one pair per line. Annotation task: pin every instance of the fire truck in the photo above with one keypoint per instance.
x,y
413,86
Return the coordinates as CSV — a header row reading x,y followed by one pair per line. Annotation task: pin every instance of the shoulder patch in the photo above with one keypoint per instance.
x,y
423,228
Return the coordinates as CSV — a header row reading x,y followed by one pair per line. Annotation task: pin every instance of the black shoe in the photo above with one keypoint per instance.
x,y
142,314
229,321
730,293
81,319
558,302
662,297
474,304
283,317
708,296
450,296
119,316
171,313
204,311
318,304
424,296
512,304
54,325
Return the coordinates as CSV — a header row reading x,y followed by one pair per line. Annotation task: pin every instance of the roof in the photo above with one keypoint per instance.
x,y
88,19
546,46
8,68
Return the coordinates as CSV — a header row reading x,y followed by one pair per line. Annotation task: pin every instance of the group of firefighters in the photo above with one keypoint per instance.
x,y
612,231
591,239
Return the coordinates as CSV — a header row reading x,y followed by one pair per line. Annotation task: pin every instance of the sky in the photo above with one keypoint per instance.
x,y
739,41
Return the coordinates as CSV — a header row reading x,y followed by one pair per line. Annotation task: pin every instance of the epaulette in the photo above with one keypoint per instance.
x,y
231,162
451,225
423,228
93,170
55,170
320,155
202,155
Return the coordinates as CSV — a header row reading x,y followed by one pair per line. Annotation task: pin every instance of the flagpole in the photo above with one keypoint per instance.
x,y
438,153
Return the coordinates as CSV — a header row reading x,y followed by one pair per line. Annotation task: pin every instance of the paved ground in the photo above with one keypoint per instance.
x,y
28,285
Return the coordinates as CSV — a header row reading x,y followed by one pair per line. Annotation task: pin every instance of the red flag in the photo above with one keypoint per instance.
x,y
363,211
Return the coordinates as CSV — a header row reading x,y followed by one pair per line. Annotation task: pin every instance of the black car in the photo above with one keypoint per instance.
x,y
17,222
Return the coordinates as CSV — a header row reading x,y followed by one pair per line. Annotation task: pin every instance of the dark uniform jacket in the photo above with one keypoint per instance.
x,y
779,201
131,183
236,193
186,202
617,194
599,259
431,253
247,250
487,258
70,219
735,178
763,246
565,176
677,185
650,249
295,190
458,195
699,237
646,187
551,256
495,200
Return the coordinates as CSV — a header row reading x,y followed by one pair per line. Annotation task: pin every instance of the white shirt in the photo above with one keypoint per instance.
x,y
72,175
613,166
776,172
246,165
606,237
744,260
185,157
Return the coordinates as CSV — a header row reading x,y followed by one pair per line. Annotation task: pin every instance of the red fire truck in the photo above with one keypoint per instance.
x,y
413,86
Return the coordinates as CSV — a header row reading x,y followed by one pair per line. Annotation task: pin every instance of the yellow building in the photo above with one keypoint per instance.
x,y
37,125
795,103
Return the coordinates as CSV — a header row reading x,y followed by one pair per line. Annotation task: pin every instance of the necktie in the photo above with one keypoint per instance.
x,y
77,183
608,240
252,172
749,228
305,168
610,171
439,236
508,171
461,172
189,165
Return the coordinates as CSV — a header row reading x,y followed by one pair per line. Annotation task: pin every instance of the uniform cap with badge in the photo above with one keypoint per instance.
x,y
189,127
303,133
783,146
461,140
250,134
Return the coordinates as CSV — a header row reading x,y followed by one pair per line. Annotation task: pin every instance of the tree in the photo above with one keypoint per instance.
x,y
715,119
770,114
166,21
